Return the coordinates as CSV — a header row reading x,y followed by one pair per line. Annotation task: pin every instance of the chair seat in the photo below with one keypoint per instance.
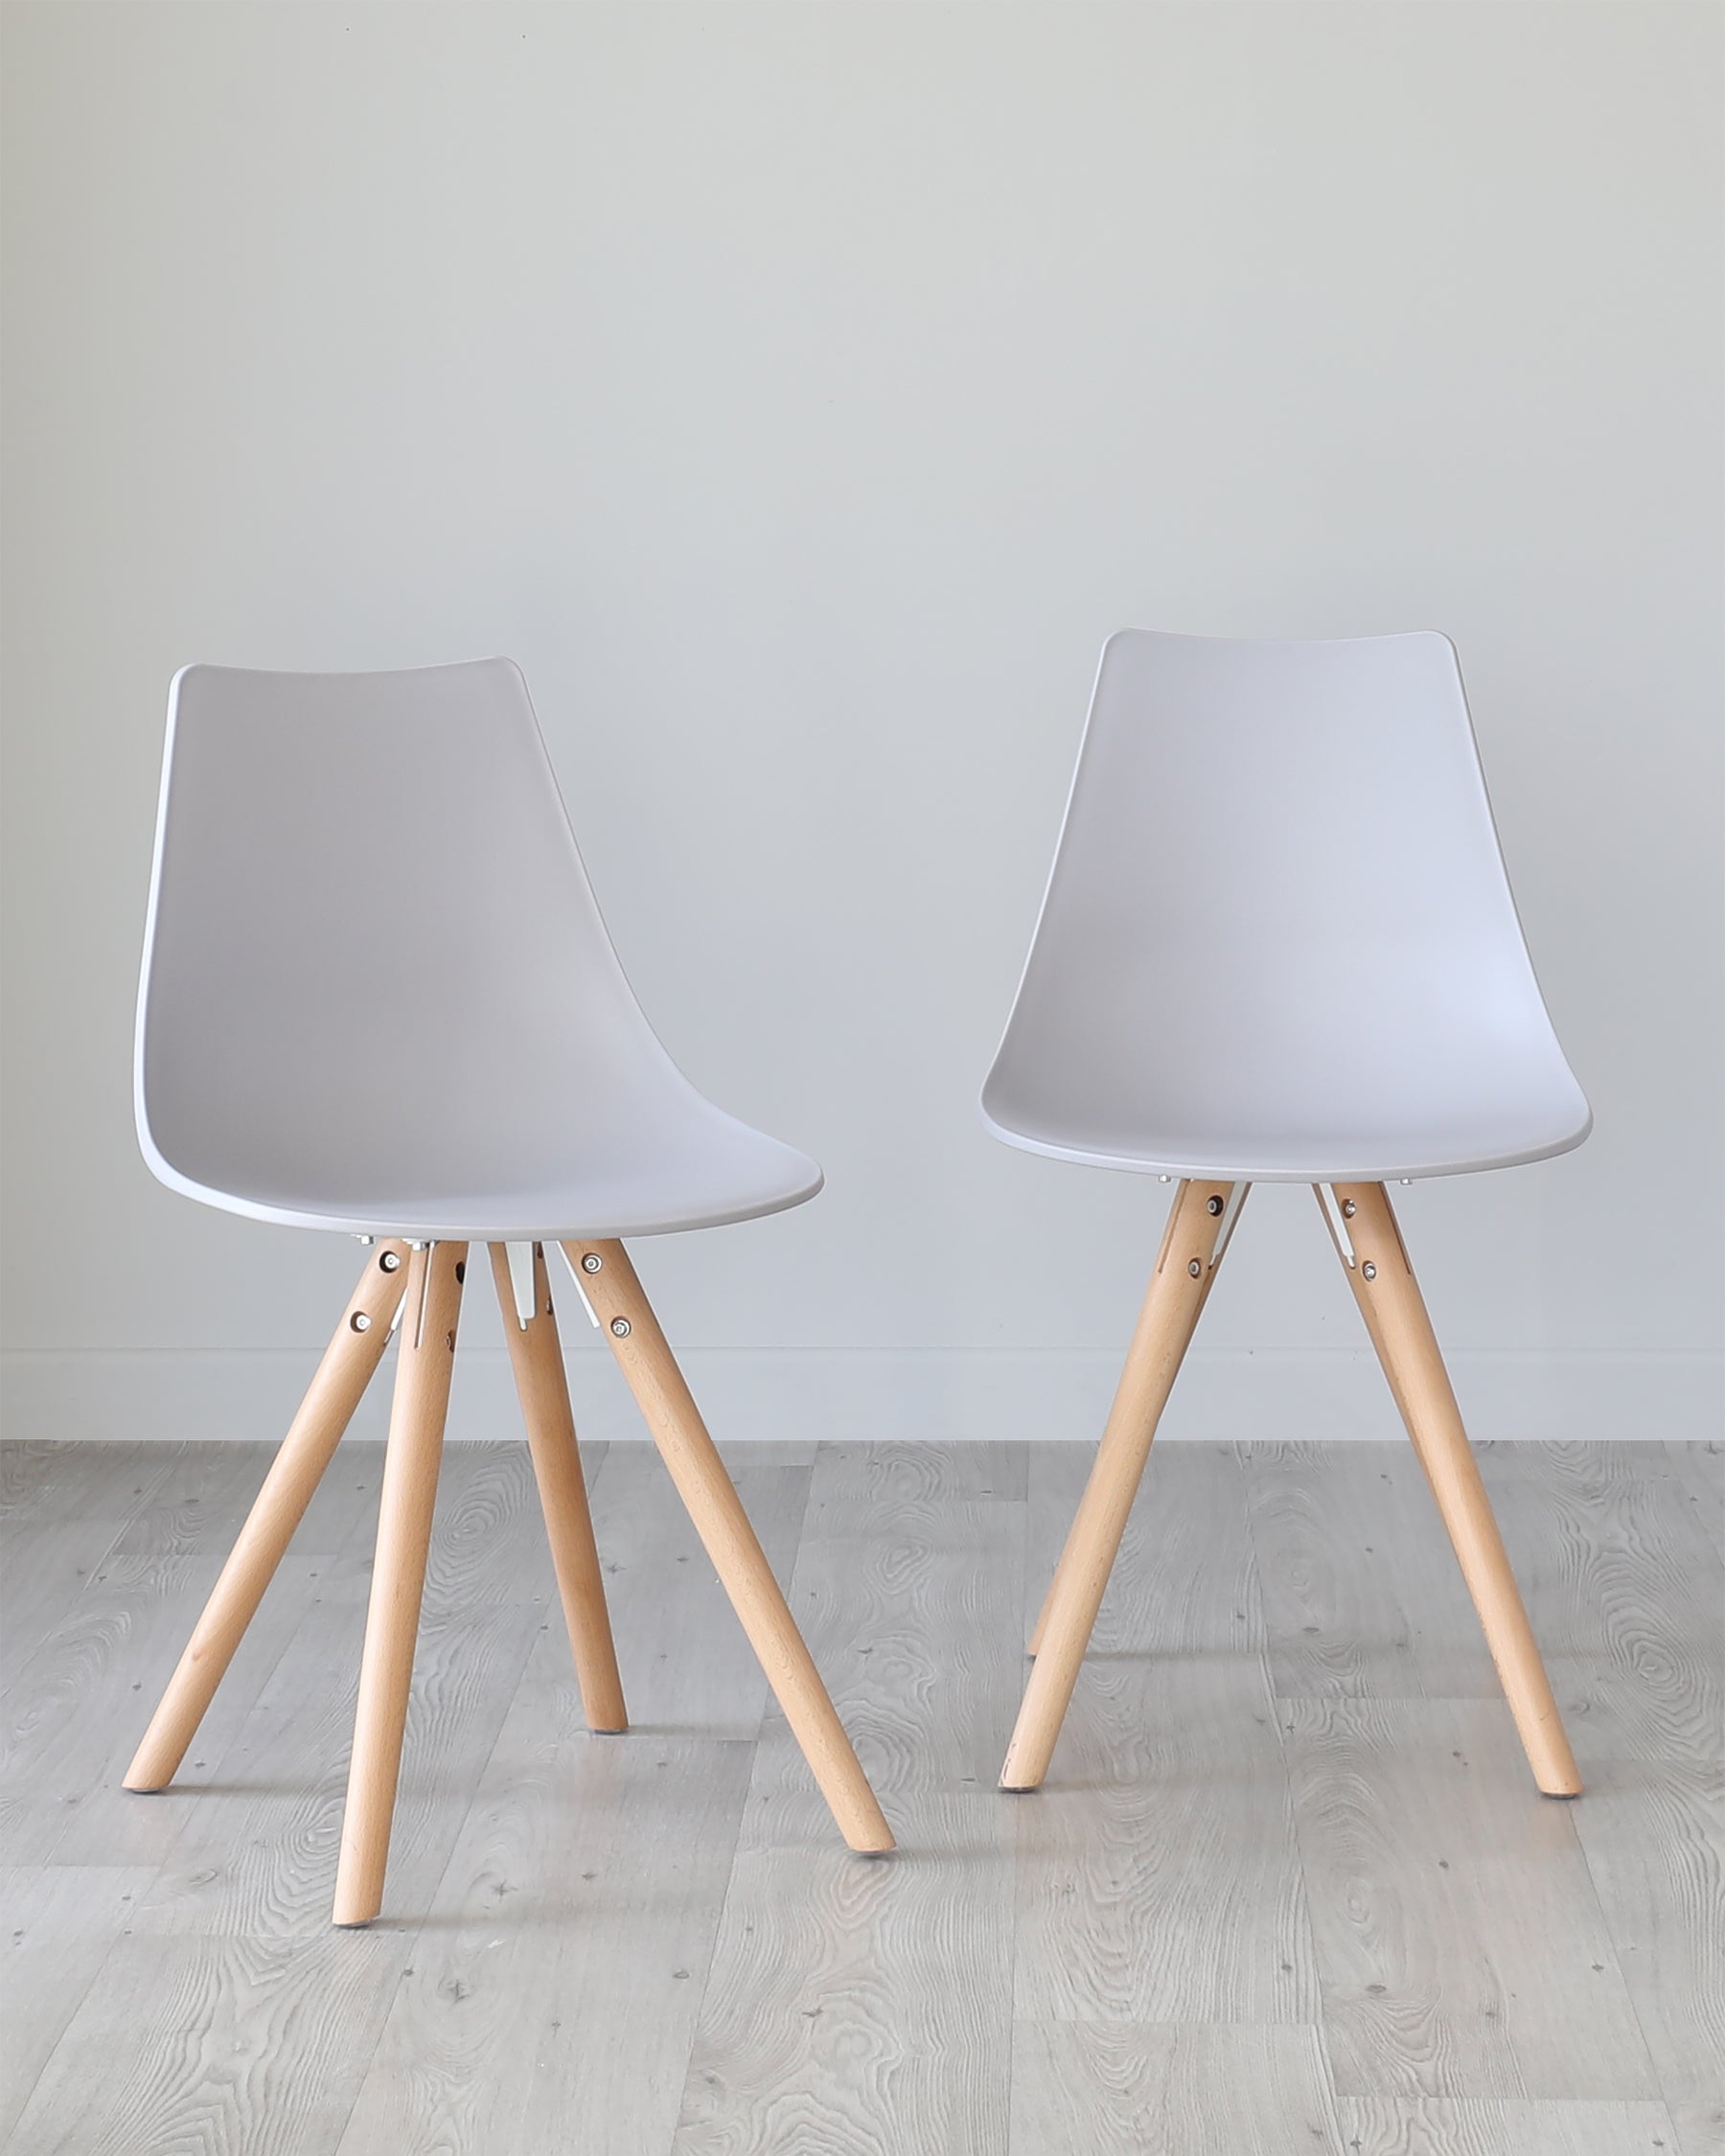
x,y
716,1171
1277,944
1318,1154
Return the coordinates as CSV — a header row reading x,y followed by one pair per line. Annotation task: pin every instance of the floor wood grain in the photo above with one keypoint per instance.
x,y
552,1993
1654,1839
1461,1943
58,1924
1204,2089
1361,1597
1497,2126
1699,1473
1623,1584
1158,1876
862,2005
1288,1887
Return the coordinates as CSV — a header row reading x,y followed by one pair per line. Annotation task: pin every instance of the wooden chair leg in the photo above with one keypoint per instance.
x,y
1395,1317
723,1526
536,1357
349,1360
405,1505
1198,1224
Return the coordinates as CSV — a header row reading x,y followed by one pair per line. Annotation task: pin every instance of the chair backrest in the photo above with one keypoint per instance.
x,y
372,943
1277,938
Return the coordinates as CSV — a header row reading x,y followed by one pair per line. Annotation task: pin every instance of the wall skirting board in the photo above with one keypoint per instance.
x,y
859,1394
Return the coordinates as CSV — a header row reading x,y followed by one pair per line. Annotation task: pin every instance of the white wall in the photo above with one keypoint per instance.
x,y
801,392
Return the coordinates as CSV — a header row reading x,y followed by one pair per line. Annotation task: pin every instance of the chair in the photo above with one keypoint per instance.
x,y
378,997
1278,945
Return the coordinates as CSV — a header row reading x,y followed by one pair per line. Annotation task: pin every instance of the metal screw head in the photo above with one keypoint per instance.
x,y
1195,1269
1368,1270
391,1261
1349,1209
1213,1206
592,1262
620,1326
360,1320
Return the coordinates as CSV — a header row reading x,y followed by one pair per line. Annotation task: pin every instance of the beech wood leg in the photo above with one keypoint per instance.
x,y
310,1445
1395,1317
1179,1287
536,1356
404,1509
714,1506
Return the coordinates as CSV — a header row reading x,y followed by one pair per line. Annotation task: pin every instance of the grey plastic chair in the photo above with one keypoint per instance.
x,y
1278,945
377,998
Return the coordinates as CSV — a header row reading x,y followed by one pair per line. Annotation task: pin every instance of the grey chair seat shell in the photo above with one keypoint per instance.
x,y
378,995
1277,942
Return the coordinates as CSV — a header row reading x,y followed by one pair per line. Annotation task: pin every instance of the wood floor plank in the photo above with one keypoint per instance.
x,y
1187,1577
216,2047
552,1993
44,1484
487,1539
111,1824
1154,1953
256,1842
1126,2088
1700,2126
43,1574
65,1507
1158,1876
1362,1595
907,1586
1624,1591
1654,1839
1699,1471
858,2005
197,1506
59,1921
1496,2127
61,1750
908,1472
684,1661
1463,1949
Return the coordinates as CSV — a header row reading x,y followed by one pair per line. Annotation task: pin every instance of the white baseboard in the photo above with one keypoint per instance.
x,y
947,1396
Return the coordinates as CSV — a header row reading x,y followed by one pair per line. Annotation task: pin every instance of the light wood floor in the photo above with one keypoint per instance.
x,y
1289,1887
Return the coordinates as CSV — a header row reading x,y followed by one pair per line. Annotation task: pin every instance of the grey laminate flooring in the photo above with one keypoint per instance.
x,y
1289,1887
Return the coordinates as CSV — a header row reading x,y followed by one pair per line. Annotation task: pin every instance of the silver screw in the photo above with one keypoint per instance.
x,y
360,1321
1369,1271
1213,1206
1349,1209
1195,1270
620,1326
391,1261
592,1262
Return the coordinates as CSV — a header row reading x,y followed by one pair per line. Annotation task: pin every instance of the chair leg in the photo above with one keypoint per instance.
x,y
723,1526
1395,1317
310,1445
1197,1224
409,1495
536,1357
